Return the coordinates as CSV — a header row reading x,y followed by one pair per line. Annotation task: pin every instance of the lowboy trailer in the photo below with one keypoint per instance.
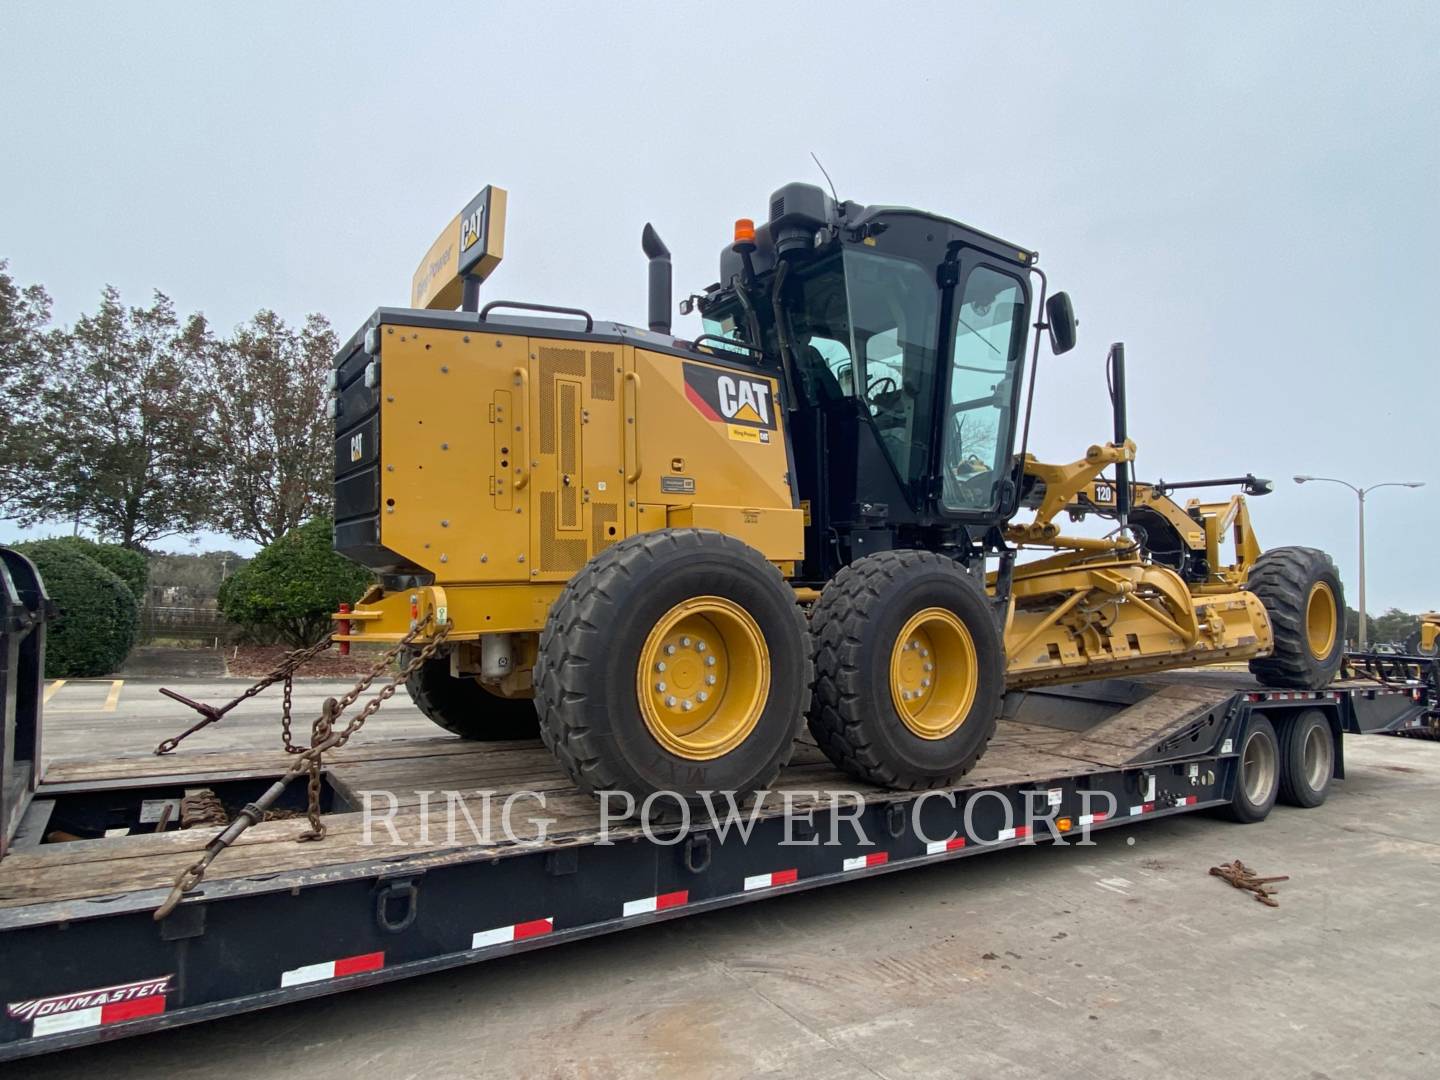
x,y
89,854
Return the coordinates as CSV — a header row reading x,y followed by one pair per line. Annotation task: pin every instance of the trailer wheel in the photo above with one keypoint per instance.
x,y
1307,759
464,707
675,661
1301,591
909,670
1257,781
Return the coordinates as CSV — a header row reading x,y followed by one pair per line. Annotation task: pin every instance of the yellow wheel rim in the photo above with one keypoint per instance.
x,y
933,673
1322,621
704,678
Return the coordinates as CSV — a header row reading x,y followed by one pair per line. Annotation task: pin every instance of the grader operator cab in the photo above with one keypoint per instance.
x,y
667,555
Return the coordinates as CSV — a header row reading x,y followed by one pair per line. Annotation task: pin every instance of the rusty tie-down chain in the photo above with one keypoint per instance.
x,y
210,713
1242,877
323,737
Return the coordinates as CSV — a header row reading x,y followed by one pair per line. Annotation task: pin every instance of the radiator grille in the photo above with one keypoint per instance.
x,y
555,362
569,427
569,485
602,516
555,553
602,376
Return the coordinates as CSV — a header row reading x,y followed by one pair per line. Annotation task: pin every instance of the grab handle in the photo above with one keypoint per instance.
x,y
632,421
522,470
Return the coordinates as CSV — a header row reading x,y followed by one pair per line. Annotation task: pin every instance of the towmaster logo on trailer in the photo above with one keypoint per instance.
x,y
746,404
91,1008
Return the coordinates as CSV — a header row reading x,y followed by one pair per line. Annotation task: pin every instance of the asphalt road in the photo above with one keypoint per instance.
x,y
1123,959
129,715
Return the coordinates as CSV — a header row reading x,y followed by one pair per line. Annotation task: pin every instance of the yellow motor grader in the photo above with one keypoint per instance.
x,y
1425,641
666,555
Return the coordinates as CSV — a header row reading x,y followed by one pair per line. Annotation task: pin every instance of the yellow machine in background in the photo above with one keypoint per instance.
x,y
666,554
1426,640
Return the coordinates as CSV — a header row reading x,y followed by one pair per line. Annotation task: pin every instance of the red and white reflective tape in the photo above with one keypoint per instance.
x,y
1295,695
651,904
92,1008
333,969
1144,808
1187,800
1020,832
861,862
1092,819
770,880
939,847
504,935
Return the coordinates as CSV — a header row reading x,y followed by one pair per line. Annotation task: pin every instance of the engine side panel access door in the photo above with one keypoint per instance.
x,y
705,445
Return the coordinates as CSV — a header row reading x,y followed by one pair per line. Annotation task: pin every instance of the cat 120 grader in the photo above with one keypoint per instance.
x,y
667,555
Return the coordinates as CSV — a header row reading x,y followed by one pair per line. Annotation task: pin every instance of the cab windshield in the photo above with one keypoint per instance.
x,y
866,324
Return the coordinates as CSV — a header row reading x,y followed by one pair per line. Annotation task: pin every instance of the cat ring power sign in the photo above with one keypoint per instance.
x,y
471,246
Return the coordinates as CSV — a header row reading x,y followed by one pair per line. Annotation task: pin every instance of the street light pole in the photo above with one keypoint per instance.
x,y
1361,547
1360,493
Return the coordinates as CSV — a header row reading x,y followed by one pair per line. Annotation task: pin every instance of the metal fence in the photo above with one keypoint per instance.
x,y
184,623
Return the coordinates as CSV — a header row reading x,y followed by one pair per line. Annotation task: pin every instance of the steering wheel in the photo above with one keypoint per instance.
x,y
881,384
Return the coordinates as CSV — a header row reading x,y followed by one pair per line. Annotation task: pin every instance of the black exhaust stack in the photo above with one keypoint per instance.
x,y
659,256
1117,401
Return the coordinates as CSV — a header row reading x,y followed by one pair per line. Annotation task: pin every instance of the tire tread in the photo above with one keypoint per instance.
x,y
851,599
568,646
1282,578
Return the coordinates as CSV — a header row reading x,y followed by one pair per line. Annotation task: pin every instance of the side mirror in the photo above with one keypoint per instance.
x,y
1060,315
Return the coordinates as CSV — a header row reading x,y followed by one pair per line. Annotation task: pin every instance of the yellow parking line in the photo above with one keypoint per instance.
x,y
113,698
50,690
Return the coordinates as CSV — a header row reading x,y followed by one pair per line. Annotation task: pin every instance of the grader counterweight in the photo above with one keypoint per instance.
x,y
666,555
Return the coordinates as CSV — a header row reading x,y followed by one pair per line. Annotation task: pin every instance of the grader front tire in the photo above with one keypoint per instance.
x,y
675,661
1301,591
910,670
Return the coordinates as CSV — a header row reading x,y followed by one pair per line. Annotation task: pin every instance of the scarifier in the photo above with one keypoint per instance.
x,y
665,555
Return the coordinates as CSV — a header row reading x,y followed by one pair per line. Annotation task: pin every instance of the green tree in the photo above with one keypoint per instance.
x,y
199,573
24,313
1352,626
293,586
1394,626
124,448
266,391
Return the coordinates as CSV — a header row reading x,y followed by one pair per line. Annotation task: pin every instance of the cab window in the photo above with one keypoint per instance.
x,y
987,337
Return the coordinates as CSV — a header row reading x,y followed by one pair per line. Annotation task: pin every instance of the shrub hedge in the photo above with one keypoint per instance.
x,y
98,614
290,589
132,566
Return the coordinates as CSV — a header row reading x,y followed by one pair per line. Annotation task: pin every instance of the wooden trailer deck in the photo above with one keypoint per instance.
x,y
1045,736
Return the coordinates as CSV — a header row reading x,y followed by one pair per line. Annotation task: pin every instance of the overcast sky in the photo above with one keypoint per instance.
x,y
1247,194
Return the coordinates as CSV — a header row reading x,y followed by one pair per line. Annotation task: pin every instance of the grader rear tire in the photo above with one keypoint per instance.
x,y
675,661
910,670
464,707
1301,591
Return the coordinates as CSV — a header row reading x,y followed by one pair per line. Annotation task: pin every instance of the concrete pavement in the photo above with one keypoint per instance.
x,y
1123,959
